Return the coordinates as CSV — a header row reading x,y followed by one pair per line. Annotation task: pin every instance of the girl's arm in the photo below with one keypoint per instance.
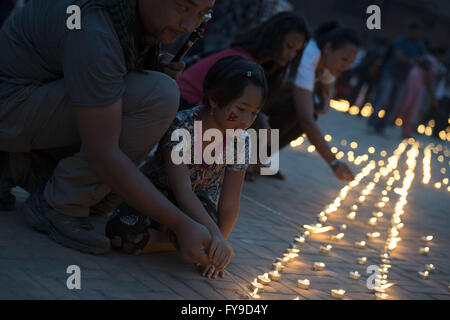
x,y
219,251
229,200
180,184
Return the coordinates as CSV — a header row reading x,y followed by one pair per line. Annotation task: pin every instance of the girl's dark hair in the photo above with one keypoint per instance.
x,y
228,78
267,39
337,34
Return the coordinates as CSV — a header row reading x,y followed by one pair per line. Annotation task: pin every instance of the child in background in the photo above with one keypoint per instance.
x,y
234,91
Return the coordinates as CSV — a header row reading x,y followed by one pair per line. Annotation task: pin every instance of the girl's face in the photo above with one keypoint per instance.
x,y
240,113
339,60
292,45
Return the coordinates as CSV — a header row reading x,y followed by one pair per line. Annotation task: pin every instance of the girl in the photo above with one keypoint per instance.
x,y
275,44
234,91
331,52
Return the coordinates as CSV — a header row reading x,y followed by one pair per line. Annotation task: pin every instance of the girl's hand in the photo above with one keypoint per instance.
x,y
211,272
220,252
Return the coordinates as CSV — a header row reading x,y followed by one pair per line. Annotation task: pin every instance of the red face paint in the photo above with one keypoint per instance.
x,y
232,117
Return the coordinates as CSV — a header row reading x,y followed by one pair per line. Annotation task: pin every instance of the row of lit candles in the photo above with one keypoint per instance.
x,y
292,252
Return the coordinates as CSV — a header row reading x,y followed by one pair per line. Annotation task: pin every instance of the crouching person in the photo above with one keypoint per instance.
x,y
86,89
234,91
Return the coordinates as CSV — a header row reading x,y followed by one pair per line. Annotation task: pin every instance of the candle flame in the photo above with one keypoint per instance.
x,y
318,228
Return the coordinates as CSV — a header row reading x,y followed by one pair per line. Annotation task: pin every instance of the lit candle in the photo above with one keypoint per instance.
x,y
386,261
319,266
342,227
361,260
300,240
278,266
377,214
384,255
424,274
355,207
354,275
373,235
257,285
430,267
351,216
292,256
326,249
274,275
283,260
288,256
303,284
380,296
338,236
264,279
424,250
360,244
427,238
293,250
337,293
306,234
254,295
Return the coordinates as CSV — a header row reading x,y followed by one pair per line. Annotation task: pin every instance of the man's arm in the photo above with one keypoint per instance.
x,y
100,129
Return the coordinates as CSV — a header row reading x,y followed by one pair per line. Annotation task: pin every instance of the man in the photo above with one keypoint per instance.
x,y
61,88
405,52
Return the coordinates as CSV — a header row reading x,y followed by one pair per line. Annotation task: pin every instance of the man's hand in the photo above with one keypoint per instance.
x,y
343,172
193,240
211,272
172,69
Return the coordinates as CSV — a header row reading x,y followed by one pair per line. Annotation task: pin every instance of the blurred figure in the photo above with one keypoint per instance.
x,y
441,110
358,84
420,77
331,52
405,52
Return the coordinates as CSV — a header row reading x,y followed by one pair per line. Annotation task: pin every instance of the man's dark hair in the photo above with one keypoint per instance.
x,y
337,34
228,78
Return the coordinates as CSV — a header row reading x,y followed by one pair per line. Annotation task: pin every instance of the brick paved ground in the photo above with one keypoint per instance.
x,y
34,267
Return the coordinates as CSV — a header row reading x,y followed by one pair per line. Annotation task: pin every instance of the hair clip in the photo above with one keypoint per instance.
x,y
249,74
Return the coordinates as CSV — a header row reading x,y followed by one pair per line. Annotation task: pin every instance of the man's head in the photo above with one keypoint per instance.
x,y
169,19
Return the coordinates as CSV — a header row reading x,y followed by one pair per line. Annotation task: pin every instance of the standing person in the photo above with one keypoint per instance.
x,y
332,50
421,77
61,87
234,91
405,52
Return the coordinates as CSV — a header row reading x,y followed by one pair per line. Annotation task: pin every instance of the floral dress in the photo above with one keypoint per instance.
x,y
205,179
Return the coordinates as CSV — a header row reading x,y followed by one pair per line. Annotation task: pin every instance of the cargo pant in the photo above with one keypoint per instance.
x,y
38,128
